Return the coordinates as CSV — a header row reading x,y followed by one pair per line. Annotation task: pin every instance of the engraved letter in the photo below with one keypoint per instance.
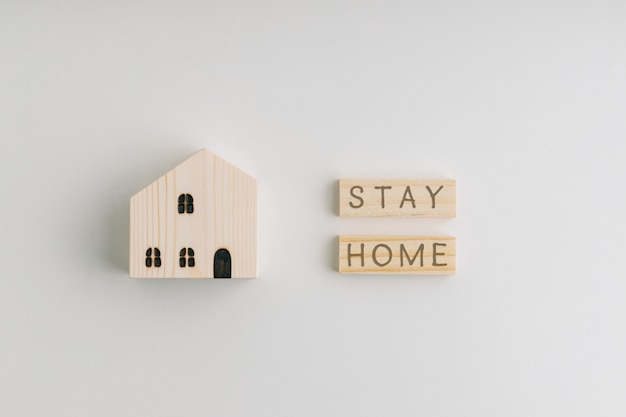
x,y
435,253
420,252
382,189
350,254
356,196
374,254
409,198
432,195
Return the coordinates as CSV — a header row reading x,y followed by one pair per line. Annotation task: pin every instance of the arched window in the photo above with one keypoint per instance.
x,y
185,203
186,258
150,260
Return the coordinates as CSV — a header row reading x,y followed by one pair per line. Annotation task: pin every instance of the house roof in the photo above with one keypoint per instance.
x,y
202,157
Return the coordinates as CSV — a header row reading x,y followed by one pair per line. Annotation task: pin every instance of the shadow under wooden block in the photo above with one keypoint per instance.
x,y
116,229
334,197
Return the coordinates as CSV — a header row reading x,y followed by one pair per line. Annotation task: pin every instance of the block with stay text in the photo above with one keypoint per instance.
x,y
397,198
417,255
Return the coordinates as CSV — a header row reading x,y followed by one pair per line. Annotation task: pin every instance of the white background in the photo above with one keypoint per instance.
x,y
524,103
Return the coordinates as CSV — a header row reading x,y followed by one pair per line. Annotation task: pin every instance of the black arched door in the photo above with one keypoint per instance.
x,y
221,264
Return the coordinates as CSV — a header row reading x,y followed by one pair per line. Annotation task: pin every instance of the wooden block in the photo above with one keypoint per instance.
x,y
397,255
397,198
196,221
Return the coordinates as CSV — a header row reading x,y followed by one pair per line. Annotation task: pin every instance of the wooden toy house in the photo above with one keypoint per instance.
x,y
196,221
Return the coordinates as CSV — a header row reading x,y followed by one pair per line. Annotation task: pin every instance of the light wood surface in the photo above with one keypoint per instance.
x,y
397,198
419,255
224,217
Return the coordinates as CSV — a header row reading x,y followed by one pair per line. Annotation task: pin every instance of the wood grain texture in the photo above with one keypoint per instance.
x,y
224,217
397,198
417,255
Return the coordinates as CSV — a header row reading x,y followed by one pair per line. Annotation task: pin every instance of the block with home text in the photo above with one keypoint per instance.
x,y
397,198
415,255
